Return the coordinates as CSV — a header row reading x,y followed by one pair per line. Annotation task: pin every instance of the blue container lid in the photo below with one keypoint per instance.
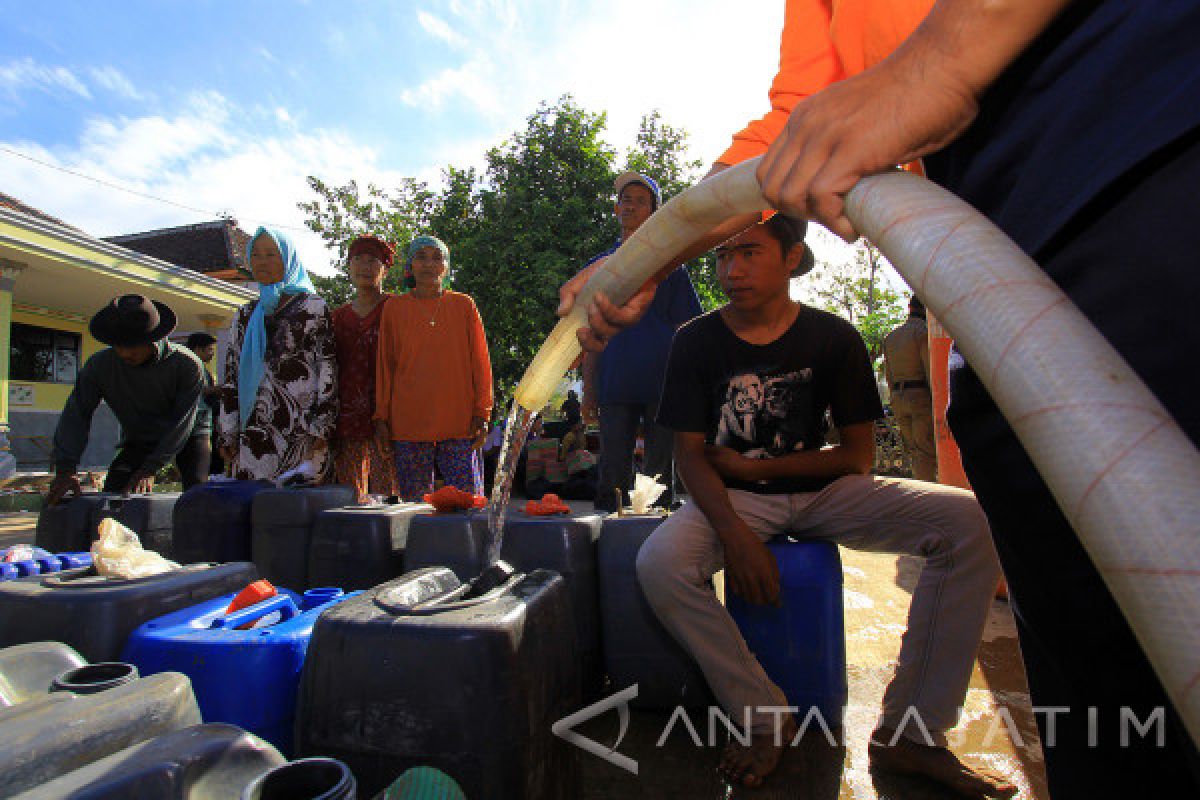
x,y
50,564
75,560
319,596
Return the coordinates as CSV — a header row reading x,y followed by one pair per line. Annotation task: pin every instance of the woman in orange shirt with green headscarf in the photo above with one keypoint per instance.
x,y
433,389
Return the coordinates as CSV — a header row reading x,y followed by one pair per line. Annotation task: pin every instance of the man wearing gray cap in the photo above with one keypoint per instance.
x,y
624,382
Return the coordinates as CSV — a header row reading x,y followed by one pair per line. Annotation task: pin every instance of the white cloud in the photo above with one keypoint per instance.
x,y
706,67
112,79
471,82
438,28
24,75
204,156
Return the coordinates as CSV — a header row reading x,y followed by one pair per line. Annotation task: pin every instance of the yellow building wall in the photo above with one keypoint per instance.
x,y
51,396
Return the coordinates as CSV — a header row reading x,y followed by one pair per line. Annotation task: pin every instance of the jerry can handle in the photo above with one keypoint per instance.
x,y
280,602
75,560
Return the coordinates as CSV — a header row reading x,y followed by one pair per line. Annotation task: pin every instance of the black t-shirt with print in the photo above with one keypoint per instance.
x,y
768,400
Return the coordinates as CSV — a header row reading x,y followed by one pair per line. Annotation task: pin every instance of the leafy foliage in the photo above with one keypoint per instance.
x,y
340,213
541,209
658,152
857,291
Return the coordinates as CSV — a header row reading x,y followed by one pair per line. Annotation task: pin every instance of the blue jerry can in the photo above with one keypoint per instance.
x,y
802,644
246,677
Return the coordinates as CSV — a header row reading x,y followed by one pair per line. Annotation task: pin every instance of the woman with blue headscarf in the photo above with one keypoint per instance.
x,y
279,402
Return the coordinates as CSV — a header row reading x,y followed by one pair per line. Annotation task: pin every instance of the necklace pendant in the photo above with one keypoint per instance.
x,y
432,323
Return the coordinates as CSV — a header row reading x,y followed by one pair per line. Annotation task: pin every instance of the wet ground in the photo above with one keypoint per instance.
x,y
17,528
997,727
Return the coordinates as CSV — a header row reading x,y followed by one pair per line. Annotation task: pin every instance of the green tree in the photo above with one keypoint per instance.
x,y
540,209
859,291
341,213
543,210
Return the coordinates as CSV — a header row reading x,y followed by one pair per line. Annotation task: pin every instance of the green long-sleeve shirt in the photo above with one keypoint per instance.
x,y
155,403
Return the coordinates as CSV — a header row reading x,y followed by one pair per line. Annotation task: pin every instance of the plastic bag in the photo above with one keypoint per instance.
x,y
645,491
118,553
22,552
451,498
549,504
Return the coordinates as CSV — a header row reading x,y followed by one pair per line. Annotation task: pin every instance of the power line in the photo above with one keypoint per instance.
x,y
126,189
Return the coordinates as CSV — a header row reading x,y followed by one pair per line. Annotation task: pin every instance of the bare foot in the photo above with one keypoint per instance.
x,y
935,763
751,765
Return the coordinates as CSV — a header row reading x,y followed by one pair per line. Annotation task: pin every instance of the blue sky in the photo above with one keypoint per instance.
x,y
227,106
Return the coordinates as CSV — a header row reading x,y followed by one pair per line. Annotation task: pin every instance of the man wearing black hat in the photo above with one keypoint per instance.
x,y
152,386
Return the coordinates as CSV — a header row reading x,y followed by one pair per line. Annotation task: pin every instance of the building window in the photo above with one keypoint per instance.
x,y
43,354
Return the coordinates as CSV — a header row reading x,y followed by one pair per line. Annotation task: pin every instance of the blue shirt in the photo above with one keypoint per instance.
x,y
1106,85
632,366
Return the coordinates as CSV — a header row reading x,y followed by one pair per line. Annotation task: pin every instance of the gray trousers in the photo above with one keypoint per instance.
x,y
618,438
950,604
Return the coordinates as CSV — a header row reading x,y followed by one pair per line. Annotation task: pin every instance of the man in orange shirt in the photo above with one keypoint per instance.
x,y
1068,124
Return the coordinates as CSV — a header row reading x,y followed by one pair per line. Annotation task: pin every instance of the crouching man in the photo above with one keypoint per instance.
x,y
153,388
746,392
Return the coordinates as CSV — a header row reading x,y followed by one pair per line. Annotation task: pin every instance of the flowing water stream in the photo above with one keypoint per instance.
x,y
515,430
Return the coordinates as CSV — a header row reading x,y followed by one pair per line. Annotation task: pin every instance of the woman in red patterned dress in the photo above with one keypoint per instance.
x,y
358,459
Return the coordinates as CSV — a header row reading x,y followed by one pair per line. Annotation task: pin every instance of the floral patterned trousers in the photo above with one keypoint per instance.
x,y
361,465
458,462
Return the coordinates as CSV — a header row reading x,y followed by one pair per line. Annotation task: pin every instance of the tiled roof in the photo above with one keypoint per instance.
x,y
205,247
8,201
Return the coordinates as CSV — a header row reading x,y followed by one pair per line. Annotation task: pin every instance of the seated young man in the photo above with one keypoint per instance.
x,y
746,391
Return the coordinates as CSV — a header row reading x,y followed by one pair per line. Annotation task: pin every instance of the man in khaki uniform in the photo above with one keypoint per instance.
x,y
906,364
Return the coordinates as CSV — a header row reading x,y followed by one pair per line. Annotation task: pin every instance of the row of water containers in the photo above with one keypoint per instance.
x,y
401,665
104,731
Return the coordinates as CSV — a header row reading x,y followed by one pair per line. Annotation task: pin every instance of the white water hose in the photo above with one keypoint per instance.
x,y
1124,474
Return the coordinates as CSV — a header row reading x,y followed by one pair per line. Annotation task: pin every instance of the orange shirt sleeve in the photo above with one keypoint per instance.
x,y
808,62
481,364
